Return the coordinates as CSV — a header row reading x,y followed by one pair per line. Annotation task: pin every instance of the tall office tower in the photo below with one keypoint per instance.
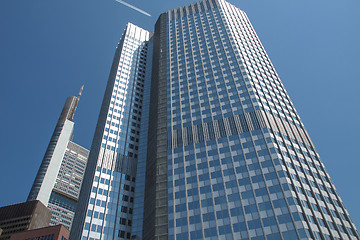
x,y
106,203
220,151
58,181
228,156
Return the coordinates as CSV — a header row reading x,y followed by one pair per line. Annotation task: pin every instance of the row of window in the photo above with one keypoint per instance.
x,y
46,237
220,128
195,8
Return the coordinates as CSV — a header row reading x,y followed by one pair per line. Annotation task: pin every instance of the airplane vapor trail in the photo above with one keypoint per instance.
x,y
133,7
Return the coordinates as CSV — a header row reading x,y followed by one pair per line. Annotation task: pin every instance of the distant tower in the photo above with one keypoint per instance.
x,y
58,181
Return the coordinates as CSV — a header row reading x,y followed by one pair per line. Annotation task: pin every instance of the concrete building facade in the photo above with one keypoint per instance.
x,y
58,232
22,217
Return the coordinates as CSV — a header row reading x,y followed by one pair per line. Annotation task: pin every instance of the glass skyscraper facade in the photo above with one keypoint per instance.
x,y
106,206
222,152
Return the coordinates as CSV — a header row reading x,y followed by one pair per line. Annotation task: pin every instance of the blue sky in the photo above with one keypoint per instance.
x,y
48,49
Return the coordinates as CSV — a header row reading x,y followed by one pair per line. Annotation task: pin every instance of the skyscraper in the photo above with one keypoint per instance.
x,y
227,155
107,195
58,181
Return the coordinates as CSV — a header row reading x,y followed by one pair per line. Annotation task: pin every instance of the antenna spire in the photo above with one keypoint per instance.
x,y
77,102
80,92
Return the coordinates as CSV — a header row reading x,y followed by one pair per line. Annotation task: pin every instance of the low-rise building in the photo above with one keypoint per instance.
x,y
22,217
58,232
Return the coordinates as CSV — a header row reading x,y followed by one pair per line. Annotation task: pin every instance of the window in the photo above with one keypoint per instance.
x,y
124,209
123,221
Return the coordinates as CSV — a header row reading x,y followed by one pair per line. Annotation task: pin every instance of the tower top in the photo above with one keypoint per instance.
x,y
80,92
76,103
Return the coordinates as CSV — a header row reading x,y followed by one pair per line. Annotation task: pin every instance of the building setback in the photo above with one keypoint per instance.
x,y
65,194
58,181
196,118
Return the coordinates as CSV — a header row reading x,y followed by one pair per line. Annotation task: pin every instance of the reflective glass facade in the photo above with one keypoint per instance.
x,y
107,196
239,162
198,139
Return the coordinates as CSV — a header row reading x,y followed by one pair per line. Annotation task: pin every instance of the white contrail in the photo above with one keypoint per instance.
x,y
133,7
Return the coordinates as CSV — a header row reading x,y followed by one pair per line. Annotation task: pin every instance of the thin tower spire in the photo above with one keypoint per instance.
x,y
77,102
